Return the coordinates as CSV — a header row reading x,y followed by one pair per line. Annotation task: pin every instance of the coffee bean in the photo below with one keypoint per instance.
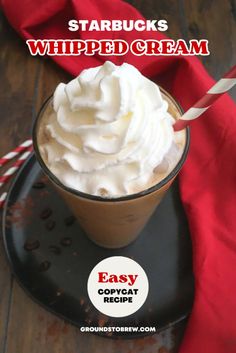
x,y
55,249
38,185
44,266
69,221
81,301
66,241
50,224
59,292
46,213
87,308
31,245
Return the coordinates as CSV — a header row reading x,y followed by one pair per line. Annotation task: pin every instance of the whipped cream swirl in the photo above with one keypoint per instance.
x,y
108,131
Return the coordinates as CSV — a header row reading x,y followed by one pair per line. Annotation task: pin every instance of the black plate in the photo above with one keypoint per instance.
x,y
51,256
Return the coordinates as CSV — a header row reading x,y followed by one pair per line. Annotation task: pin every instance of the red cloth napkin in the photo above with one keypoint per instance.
x,y
208,179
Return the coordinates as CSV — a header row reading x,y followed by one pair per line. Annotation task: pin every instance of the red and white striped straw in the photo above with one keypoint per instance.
x,y
2,199
16,165
9,156
221,87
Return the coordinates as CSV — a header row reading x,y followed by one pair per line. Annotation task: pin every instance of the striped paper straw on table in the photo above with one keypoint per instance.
x,y
9,156
221,87
16,165
2,199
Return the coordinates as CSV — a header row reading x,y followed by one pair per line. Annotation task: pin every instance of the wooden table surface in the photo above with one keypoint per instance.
x,y
25,82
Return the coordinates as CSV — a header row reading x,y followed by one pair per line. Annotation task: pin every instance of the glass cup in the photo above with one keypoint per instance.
x,y
115,222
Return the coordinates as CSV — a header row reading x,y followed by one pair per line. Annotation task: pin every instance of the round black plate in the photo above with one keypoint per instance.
x,y
51,256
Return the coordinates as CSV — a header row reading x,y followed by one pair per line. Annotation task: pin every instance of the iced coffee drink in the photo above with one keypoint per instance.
x,y
106,140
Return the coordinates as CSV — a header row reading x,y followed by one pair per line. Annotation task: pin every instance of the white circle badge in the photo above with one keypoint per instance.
x,y
117,286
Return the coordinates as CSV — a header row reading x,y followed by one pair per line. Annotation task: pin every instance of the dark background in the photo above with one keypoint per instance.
x,y
25,83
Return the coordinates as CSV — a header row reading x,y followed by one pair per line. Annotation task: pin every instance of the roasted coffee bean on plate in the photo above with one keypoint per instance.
x,y
66,241
31,244
44,266
46,213
50,224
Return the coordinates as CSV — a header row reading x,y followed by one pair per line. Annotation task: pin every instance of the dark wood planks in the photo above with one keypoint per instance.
x,y
215,21
16,96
